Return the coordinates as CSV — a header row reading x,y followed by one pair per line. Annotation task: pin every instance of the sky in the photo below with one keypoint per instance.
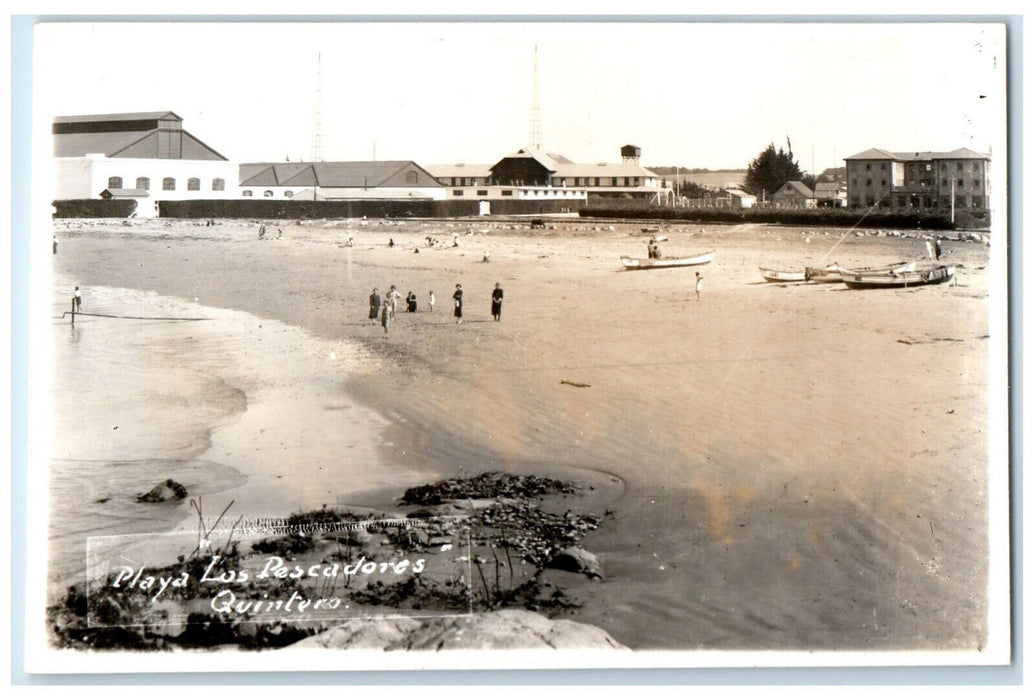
x,y
695,95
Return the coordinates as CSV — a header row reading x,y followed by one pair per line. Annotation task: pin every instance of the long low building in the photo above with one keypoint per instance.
x,y
533,174
377,179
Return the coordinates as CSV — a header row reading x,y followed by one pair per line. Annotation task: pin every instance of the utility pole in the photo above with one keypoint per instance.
x,y
317,113
535,137
953,200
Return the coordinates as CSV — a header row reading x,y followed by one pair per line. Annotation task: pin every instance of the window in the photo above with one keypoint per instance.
x,y
597,183
115,183
218,184
288,193
926,201
976,183
854,182
411,177
978,202
482,193
267,193
868,166
457,193
868,182
883,166
453,182
507,193
944,182
194,184
883,183
958,167
928,167
143,183
901,201
168,183
871,200
246,193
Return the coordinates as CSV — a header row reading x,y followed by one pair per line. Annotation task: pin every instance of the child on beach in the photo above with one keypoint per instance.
x,y
700,284
430,301
386,315
78,298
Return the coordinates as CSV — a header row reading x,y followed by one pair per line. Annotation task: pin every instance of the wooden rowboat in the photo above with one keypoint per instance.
x,y
655,263
781,275
937,274
902,266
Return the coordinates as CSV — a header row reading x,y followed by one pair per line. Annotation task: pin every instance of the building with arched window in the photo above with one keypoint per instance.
x,y
100,153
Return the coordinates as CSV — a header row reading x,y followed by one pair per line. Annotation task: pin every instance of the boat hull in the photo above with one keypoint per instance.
x,y
781,275
917,278
661,263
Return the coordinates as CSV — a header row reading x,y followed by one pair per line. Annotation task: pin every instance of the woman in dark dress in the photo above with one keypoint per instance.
x,y
411,303
458,303
375,304
497,302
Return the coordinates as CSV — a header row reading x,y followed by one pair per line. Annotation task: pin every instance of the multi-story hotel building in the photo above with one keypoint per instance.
x,y
924,180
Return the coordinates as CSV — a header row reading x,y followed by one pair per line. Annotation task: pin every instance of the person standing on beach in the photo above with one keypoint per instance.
x,y
375,305
55,245
700,285
457,298
78,299
937,248
411,302
929,249
393,299
386,315
497,301
430,301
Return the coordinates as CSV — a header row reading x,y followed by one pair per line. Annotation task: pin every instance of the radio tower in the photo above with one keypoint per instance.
x,y
536,119
316,151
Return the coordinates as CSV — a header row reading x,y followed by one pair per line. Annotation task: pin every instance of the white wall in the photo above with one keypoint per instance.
x,y
87,176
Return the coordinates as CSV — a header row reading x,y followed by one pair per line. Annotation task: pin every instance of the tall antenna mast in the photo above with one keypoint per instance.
x,y
316,154
536,119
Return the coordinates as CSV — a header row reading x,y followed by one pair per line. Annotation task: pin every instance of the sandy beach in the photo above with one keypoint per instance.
x,y
784,466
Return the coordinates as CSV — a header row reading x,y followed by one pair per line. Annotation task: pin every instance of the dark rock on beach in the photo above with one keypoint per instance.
x,y
577,560
168,490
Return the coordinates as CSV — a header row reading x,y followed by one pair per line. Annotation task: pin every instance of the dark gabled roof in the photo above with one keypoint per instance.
x,y
128,135
367,173
118,117
961,154
873,154
797,187
546,160
957,154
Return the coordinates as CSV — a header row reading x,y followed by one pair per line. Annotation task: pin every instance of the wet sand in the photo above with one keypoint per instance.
x,y
786,466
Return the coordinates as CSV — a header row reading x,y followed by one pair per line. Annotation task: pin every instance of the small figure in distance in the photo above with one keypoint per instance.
x,y
700,284
497,301
375,305
457,298
430,301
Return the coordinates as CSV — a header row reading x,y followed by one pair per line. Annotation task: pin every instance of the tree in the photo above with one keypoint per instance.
x,y
771,170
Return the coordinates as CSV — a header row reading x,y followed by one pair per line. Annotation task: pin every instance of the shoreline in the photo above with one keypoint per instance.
x,y
734,501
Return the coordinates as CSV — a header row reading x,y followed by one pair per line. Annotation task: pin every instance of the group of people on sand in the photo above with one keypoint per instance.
x,y
384,308
933,248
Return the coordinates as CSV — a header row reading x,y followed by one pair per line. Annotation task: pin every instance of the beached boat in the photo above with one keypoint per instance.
x,y
781,275
937,274
823,275
653,229
655,263
902,266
